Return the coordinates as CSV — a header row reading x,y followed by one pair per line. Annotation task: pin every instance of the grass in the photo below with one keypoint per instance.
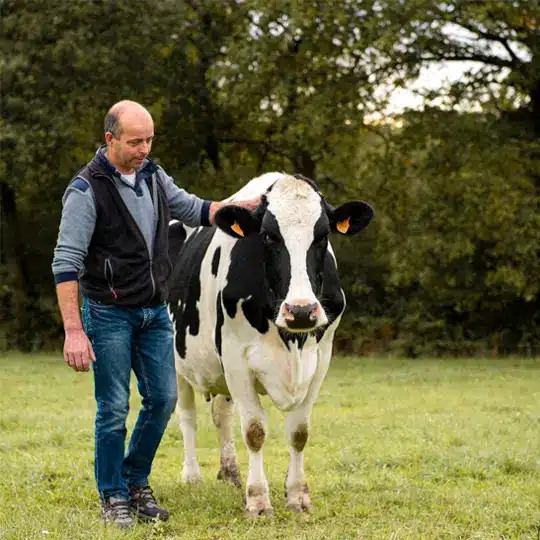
x,y
399,449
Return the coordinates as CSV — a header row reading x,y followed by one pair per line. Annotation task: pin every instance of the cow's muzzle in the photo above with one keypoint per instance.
x,y
302,316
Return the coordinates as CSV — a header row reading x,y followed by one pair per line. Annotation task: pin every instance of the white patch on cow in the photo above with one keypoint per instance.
x,y
256,187
297,208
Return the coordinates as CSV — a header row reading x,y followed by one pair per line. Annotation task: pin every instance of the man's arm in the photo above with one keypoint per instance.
x,y
76,229
192,210
77,347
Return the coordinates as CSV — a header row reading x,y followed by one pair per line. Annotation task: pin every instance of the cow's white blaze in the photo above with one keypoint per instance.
x,y
297,208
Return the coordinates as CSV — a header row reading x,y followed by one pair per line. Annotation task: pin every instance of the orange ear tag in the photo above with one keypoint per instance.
x,y
237,229
343,226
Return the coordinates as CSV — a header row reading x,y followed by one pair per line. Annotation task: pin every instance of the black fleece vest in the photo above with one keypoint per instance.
x,y
119,270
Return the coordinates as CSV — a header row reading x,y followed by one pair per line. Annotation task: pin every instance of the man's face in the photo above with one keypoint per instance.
x,y
128,152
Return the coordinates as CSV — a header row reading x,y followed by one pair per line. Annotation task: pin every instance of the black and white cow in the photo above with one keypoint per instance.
x,y
255,303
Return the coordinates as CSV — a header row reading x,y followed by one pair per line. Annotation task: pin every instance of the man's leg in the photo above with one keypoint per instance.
x,y
110,330
153,363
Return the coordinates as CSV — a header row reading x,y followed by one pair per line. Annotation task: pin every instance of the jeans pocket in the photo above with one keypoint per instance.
x,y
86,317
97,305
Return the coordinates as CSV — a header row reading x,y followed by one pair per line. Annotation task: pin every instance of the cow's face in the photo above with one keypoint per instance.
x,y
293,224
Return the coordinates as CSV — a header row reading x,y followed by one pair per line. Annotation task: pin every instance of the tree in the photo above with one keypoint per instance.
x,y
502,38
301,74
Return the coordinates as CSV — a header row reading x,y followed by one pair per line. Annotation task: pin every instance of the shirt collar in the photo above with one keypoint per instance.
x,y
147,169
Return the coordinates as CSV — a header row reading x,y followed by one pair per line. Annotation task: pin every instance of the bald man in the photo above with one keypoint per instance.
x,y
113,247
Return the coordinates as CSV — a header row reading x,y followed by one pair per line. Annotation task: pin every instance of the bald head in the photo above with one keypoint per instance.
x,y
124,112
129,130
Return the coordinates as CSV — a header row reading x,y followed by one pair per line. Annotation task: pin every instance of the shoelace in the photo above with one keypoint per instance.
x,y
146,495
120,508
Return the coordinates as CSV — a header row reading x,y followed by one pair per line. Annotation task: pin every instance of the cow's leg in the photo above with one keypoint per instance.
x,y
223,417
187,416
253,422
297,431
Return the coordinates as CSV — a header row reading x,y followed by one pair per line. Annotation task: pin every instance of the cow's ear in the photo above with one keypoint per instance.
x,y
351,217
237,221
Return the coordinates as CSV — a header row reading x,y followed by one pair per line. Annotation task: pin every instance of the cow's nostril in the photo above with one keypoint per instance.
x,y
288,313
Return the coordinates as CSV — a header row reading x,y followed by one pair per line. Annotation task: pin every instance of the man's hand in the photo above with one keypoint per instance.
x,y
78,350
250,205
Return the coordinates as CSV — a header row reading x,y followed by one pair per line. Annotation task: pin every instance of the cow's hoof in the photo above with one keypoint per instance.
x,y
299,500
299,508
193,478
230,476
258,513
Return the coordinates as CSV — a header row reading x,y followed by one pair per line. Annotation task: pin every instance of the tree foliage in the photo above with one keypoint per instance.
x,y
241,88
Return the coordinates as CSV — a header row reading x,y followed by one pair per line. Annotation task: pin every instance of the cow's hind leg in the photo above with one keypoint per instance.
x,y
223,417
187,416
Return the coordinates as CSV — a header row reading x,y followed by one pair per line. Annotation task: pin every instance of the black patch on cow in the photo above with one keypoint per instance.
x,y
289,338
277,260
185,287
246,282
215,261
177,235
219,324
331,296
315,256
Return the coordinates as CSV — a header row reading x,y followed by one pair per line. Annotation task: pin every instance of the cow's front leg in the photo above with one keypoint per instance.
x,y
187,416
254,432
253,421
223,417
297,428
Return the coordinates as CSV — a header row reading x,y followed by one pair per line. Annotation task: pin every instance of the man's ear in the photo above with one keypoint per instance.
x,y
351,217
236,221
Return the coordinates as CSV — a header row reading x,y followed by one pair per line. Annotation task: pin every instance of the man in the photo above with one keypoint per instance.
x,y
113,244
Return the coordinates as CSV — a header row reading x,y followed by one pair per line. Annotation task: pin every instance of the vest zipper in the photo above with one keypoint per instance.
x,y
152,273
110,282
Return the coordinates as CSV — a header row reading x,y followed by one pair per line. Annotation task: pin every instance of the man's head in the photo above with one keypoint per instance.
x,y
129,130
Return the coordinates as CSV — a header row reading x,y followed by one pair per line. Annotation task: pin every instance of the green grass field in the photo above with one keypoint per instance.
x,y
398,449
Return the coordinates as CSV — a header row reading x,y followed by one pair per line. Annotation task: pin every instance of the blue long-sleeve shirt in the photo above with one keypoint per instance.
x,y
79,217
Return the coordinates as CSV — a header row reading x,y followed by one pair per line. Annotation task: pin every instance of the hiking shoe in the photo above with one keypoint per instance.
x,y
144,504
116,511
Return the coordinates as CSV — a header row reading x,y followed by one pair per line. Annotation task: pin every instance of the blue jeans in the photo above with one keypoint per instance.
x,y
126,338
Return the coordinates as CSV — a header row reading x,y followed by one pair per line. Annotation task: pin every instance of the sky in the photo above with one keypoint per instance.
x,y
431,78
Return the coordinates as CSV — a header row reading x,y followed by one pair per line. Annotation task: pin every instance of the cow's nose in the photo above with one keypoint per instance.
x,y
300,316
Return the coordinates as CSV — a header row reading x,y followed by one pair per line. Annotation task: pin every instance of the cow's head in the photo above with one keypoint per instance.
x,y
293,223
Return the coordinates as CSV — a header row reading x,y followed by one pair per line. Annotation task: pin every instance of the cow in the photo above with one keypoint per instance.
x,y
255,302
